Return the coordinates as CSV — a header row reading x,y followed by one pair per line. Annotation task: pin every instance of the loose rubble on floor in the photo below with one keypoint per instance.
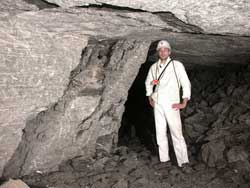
x,y
133,166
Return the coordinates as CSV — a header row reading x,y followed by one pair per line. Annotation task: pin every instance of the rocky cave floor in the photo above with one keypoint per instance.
x,y
134,166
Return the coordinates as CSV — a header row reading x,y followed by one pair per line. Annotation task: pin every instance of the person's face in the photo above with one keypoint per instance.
x,y
164,53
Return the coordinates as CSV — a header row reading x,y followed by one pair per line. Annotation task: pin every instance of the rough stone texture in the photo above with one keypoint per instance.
x,y
94,22
204,49
35,66
215,16
222,100
100,23
36,63
17,5
34,70
237,153
212,153
90,108
14,184
134,167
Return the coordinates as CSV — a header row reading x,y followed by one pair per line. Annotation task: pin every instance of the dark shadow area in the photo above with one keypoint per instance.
x,y
111,8
41,4
138,117
2,180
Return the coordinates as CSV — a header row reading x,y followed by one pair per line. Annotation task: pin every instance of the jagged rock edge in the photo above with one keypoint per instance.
x,y
50,108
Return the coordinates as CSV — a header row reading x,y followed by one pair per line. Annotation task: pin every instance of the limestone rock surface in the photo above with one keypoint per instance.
x,y
14,184
35,67
215,16
17,5
86,117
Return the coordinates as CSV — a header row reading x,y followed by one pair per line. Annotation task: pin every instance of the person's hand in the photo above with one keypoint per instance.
x,y
151,101
178,106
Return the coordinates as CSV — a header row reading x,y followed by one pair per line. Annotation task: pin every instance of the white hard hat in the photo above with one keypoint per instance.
x,y
163,44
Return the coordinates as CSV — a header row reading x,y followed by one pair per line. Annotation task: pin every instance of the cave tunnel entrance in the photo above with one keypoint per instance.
x,y
138,118
216,104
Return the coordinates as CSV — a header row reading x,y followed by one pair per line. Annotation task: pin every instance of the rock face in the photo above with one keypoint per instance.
x,y
35,67
17,5
14,184
215,16
36,63
87,116
216,121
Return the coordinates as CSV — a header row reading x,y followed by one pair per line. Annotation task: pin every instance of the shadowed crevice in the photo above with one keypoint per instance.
x,y
173,21
42,4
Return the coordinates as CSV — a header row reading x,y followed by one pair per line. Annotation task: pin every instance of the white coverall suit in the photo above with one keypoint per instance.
x,y
167,93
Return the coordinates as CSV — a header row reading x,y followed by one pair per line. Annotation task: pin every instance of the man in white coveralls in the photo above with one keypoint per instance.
x,y
167,76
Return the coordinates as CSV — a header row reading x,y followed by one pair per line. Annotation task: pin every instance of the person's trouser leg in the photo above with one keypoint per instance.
x,y
161,133
175,127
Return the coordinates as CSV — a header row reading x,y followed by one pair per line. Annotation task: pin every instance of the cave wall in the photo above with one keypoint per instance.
x,y
37,55
87,117
35,68
215,16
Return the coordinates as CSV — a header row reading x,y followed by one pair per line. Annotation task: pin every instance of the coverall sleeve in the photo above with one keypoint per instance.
x,y
148,82
185,82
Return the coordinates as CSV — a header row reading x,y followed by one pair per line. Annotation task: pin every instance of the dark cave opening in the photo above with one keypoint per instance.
x,y
215,105
138,118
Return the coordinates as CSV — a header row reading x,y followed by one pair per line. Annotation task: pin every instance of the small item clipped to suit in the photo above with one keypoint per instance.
x,y
155,83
